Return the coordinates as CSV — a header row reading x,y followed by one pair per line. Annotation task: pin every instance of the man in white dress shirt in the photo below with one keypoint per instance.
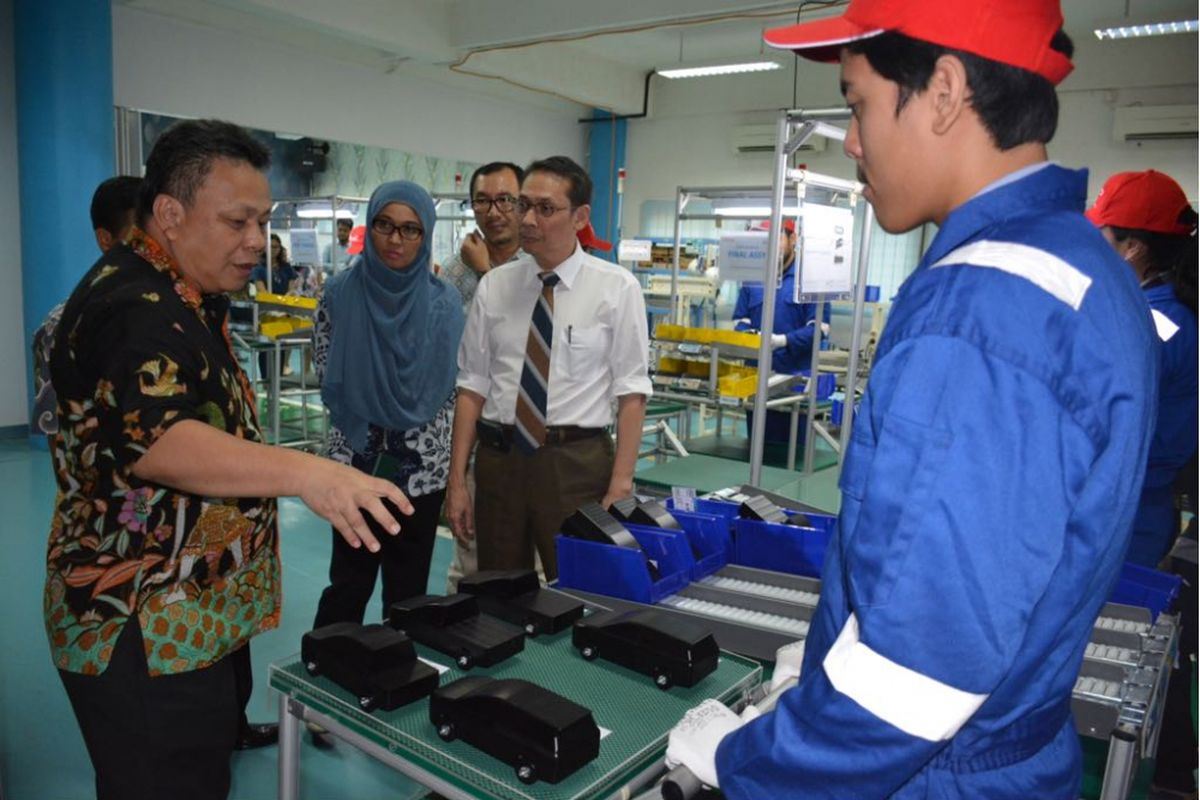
x,y
554,341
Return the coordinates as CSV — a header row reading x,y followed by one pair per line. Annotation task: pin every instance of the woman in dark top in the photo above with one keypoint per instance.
x,y
385,339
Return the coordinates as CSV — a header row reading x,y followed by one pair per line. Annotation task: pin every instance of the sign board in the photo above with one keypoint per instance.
x,y
633,250
304,246
743,256
826,253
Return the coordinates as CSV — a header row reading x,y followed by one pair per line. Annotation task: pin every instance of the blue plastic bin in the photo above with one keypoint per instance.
x,y
782,548
620,571
1147,588
709,536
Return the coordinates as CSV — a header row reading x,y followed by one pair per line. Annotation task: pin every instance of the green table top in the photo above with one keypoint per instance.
x,y
709,473
737,448
636,713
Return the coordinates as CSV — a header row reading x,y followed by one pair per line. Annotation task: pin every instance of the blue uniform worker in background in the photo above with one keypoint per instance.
x,y
792,337
1147,218
994,468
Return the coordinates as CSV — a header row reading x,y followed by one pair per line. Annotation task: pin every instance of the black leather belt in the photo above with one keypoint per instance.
x,y
499,436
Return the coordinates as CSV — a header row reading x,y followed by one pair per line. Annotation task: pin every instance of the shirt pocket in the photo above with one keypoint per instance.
x,y
586,350
888,485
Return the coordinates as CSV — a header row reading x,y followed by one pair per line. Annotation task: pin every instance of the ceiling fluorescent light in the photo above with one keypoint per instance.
x,y
1147,29
718,69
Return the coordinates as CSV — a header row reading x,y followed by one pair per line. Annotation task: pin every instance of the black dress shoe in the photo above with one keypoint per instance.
x,y
252,736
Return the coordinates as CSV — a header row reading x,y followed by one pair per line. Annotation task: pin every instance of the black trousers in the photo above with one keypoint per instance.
x,y
168,736
403,559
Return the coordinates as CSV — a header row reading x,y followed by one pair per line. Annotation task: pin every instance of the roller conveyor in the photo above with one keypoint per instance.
x,y
720,581
797,627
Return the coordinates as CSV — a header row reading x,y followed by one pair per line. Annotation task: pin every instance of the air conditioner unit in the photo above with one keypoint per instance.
x,y
761,139
1149,123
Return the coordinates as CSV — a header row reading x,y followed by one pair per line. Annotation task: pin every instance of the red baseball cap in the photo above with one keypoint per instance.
x,y
1142,201
358,237
588,238
789,225
1013,32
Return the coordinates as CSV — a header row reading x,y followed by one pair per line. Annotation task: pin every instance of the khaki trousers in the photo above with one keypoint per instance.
x,y
521,501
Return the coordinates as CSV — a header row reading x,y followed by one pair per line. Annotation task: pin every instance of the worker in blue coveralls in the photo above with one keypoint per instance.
x,y
994,468
1147,218
792,332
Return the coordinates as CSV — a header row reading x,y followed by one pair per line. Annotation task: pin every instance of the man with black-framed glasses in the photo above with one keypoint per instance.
x,y
554,342
494,190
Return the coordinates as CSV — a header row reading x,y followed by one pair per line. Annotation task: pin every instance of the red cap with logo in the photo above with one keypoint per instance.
x,y
789,225
1013,32
588,238
1141,201
358,237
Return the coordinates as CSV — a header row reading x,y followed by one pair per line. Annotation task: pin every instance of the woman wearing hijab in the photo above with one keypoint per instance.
x,y
386,333
1148,220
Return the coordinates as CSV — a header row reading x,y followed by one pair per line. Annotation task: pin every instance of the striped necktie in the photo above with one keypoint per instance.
x,y
535,375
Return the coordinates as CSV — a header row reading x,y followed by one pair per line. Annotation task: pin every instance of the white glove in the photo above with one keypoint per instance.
x,y
824,328
693,742
778,340
788,661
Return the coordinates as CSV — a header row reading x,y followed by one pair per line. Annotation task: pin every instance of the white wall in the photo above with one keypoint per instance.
x,y
686,140
180,68
12,334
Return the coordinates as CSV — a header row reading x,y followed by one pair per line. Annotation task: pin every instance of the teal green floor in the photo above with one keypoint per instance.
x,y
42,756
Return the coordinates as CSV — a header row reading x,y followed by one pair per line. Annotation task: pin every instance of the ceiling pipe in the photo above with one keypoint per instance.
x,y
615,117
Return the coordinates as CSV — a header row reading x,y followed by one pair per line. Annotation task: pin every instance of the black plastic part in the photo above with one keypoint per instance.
x,y
454,627
373,662
516,596
760,508
543,735
591,522
651,643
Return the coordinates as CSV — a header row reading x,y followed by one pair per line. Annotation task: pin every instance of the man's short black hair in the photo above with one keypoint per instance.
x,y
184,154
1173,256
114,202
580,192
491,169
1016,106
349,223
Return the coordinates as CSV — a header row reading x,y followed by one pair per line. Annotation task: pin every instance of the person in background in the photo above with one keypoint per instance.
x,y
494,190
337,252
162,560
1148,220
995,464
794,328
284,280
792,331
385,335
113,208
553,342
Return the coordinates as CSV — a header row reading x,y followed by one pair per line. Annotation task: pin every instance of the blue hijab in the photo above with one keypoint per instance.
x,y
392,354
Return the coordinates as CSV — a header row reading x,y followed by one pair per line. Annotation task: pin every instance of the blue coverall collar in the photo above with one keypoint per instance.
x,y
1050,188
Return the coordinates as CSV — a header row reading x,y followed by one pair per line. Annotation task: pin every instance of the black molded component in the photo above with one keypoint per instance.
x,y
591,522
377,664
516,596
545,736
646,512
671,649
453,625
761,508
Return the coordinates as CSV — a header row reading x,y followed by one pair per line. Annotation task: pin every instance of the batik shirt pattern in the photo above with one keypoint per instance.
x,y
140,349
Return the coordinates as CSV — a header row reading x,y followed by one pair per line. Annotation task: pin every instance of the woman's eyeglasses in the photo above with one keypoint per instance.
x,y
407,230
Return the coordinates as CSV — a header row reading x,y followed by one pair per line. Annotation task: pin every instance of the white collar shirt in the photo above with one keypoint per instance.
x,y
601,344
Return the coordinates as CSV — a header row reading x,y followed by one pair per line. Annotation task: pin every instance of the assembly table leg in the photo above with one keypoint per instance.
x,y
289,748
